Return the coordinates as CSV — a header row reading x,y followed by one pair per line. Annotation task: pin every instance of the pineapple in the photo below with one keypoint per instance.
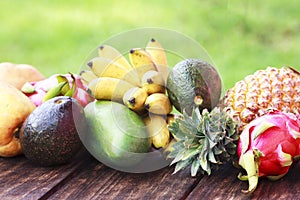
x,y
265,90
208,139
204,140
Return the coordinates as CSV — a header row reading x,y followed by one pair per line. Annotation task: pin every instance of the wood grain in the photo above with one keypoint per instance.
x,y
224,185
96,181
86,178
20,179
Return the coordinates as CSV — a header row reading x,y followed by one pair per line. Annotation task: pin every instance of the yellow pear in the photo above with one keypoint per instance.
x,y
14,109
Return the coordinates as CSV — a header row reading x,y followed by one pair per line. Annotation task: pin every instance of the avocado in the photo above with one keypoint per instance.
x,y
193,83
49,135
116,135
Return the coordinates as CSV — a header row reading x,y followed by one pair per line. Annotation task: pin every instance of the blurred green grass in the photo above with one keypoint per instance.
x,y
240,36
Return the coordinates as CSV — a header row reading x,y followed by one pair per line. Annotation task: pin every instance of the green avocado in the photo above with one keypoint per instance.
x,y
193,83
49,135
116,135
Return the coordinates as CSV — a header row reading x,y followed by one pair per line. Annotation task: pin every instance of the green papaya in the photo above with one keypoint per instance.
x,y
116,135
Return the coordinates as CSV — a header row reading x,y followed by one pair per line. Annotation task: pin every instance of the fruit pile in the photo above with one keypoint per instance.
x,y
256,124
122,109
40,116
139,84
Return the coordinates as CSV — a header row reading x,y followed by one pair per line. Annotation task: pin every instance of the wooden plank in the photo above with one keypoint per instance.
x,y
20,179
224,185
89,179
96,181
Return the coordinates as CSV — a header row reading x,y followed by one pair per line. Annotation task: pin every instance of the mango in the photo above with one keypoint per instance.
x,y
18,74
116,135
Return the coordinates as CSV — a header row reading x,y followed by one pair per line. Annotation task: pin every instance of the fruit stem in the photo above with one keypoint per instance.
x,y
149,80
198,100
132,101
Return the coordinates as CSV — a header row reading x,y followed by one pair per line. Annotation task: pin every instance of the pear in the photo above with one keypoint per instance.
x,y
14,109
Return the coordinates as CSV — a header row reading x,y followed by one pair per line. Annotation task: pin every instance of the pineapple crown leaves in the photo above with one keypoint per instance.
x,y
204,140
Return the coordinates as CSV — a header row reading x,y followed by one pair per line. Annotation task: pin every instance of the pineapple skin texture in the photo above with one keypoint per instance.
x,y
264,91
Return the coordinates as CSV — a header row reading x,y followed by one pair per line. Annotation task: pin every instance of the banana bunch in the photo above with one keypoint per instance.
x,y
138,83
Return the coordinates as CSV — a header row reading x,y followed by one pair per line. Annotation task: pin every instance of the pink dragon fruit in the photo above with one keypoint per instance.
x,y
268,147
55,85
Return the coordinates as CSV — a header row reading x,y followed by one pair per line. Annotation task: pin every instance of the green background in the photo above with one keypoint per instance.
x,y
240,36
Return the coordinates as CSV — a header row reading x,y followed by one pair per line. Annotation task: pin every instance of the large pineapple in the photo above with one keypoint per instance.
x,y
206,140
265,90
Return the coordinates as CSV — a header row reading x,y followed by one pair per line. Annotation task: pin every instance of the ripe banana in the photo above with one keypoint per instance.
x,y
135,98
170,147
111,53
158,130
108,88
158,54
153,82
141,61
171,118
104,67
158,103
87,76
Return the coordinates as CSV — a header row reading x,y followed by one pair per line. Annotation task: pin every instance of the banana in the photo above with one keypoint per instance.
x,y
111,53
108,88
170,146
158,130
87,76
141,61
158,54
158,103
171,118
153,82
135,98
104,67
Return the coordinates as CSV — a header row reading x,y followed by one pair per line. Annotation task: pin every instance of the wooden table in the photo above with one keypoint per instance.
x,y
86,178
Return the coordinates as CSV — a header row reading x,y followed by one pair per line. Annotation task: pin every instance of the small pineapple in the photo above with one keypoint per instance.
x,y
206,140
265,90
